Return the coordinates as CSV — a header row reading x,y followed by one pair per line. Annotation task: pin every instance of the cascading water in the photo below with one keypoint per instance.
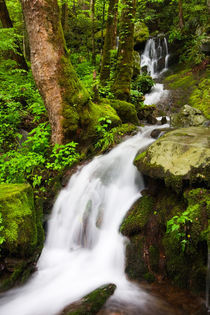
x,y
155,59
84,248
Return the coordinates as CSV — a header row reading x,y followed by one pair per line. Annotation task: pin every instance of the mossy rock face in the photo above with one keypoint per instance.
x,y
179,155
152,253
138,216
126,111
188,117
141,35
90,116
187,268
92,303
188,87
22,227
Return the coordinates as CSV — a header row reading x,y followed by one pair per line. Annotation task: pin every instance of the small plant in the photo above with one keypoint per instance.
x,y
63,156
2,239
106,137
179,226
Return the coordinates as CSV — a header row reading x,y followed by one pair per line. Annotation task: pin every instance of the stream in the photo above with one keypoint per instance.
x,y
84,248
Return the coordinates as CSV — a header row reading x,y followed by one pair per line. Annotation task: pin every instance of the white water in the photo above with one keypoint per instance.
x,y
84,248
155,58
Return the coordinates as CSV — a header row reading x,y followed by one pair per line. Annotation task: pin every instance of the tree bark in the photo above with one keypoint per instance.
x,y
7,23
54,75
110,41
92,10
124,70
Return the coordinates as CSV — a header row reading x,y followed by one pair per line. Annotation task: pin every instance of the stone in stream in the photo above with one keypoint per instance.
x,y
187,117
180,155
91,303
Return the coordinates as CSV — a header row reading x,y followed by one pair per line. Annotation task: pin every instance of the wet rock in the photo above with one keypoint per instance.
x,y
163,120
187,117
91,303
147,114
179,155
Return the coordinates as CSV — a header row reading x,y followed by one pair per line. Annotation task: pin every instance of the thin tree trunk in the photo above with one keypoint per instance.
x,y
92,10
124,70
7,23
64,16
110,41
102,25
54,75
181,18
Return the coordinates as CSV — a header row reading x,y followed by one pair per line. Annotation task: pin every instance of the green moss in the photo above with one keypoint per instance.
x,y
200,97
125,110
135,265
141,33
19,219
154,257
138,216
149,277
93,302
91,115
187,269
191,88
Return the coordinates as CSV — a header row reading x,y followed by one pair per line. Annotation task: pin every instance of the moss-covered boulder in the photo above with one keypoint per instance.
x,y
156,252
91,303
22,227
21,233
141,35
188,117
126,111
91,115
177,156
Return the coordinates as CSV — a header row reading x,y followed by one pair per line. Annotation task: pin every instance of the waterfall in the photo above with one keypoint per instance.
x,y
155,59
155,56
83,248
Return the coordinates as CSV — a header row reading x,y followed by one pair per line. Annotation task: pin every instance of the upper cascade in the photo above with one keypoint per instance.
x,y
155,56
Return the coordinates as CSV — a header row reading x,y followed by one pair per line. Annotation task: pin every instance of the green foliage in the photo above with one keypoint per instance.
x,y
106,137
180,226
192,50
143,84
63,156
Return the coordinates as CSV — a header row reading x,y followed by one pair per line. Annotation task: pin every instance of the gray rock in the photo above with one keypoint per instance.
x,y
188,117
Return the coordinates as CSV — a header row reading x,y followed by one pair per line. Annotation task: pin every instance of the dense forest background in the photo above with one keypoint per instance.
x,y
30,146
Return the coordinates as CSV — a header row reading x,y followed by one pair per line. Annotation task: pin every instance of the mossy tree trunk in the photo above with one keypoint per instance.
x,y
7,23
124,70
181,18
110,40
92,10
55,77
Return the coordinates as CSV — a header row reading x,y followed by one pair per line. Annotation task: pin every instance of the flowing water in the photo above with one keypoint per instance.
x,y
155,59
84,248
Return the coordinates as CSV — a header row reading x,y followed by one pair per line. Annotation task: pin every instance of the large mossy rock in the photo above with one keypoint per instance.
x,y
22,226
179,155
141,35
188,117
21,231
153,253
91,303
126,111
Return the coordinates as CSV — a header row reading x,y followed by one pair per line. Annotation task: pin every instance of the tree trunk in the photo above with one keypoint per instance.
x,y
92,10
110,41
124,70
54,75
7,23
181,19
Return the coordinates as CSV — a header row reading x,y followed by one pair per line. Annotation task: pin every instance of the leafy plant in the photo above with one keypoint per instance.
x,y
106,137
179,226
